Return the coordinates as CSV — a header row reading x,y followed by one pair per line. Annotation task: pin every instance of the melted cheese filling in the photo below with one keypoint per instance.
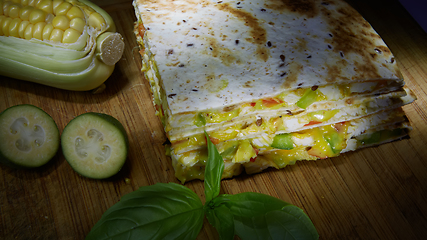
x,y
281,124
314,144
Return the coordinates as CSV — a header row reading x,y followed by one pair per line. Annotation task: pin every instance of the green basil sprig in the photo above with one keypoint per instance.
x,y
173,211
213,171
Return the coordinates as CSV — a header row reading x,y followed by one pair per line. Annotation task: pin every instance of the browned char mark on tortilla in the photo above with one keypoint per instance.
x,y
292,75
308,8
352,34
258,35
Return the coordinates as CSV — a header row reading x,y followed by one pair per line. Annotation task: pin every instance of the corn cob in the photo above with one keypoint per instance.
x,y
67,44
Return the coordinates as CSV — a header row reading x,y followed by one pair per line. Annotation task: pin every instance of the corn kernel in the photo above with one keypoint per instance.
x,y
62,9
28,34
49,18
38,30
1,8
24,2
33,2
2,17
56,35
5,26
61,22
37,16
5,8
78,24
14,10
14,27
96,20
88,11
56,3
16,1
22,27
70,36
25,12
45,5
75,12
47,30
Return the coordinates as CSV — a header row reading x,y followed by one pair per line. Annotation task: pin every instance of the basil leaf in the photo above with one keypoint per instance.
x,y
160,211
213,171
250,203
223,221
260,216
290,223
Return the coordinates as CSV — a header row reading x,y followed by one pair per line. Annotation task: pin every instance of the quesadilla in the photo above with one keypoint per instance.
x,y
271,82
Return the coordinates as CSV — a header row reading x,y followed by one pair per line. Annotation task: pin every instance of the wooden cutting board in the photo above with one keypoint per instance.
x,y
375,193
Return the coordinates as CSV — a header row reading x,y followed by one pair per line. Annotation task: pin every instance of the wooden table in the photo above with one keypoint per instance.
x,y
375,193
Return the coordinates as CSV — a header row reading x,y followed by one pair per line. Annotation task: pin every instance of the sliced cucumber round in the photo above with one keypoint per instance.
x,y
29,136
95,145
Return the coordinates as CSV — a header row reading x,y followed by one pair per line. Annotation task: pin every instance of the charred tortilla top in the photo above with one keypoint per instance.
x,y
213,54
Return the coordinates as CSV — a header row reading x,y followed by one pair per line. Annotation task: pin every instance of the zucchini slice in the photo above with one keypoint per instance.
x,y
29,136
95,145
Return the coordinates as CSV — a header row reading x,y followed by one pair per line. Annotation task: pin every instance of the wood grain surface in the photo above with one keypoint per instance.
x,y
374,193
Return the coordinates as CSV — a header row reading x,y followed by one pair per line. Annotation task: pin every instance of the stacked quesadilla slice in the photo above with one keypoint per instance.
x,y
271,82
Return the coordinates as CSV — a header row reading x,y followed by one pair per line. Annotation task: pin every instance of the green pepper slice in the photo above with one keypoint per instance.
x,y
335,141
200,120
381,136
283,141
307,99
371,138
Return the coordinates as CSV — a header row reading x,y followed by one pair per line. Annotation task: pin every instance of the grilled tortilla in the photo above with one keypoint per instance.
x,y
272,82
